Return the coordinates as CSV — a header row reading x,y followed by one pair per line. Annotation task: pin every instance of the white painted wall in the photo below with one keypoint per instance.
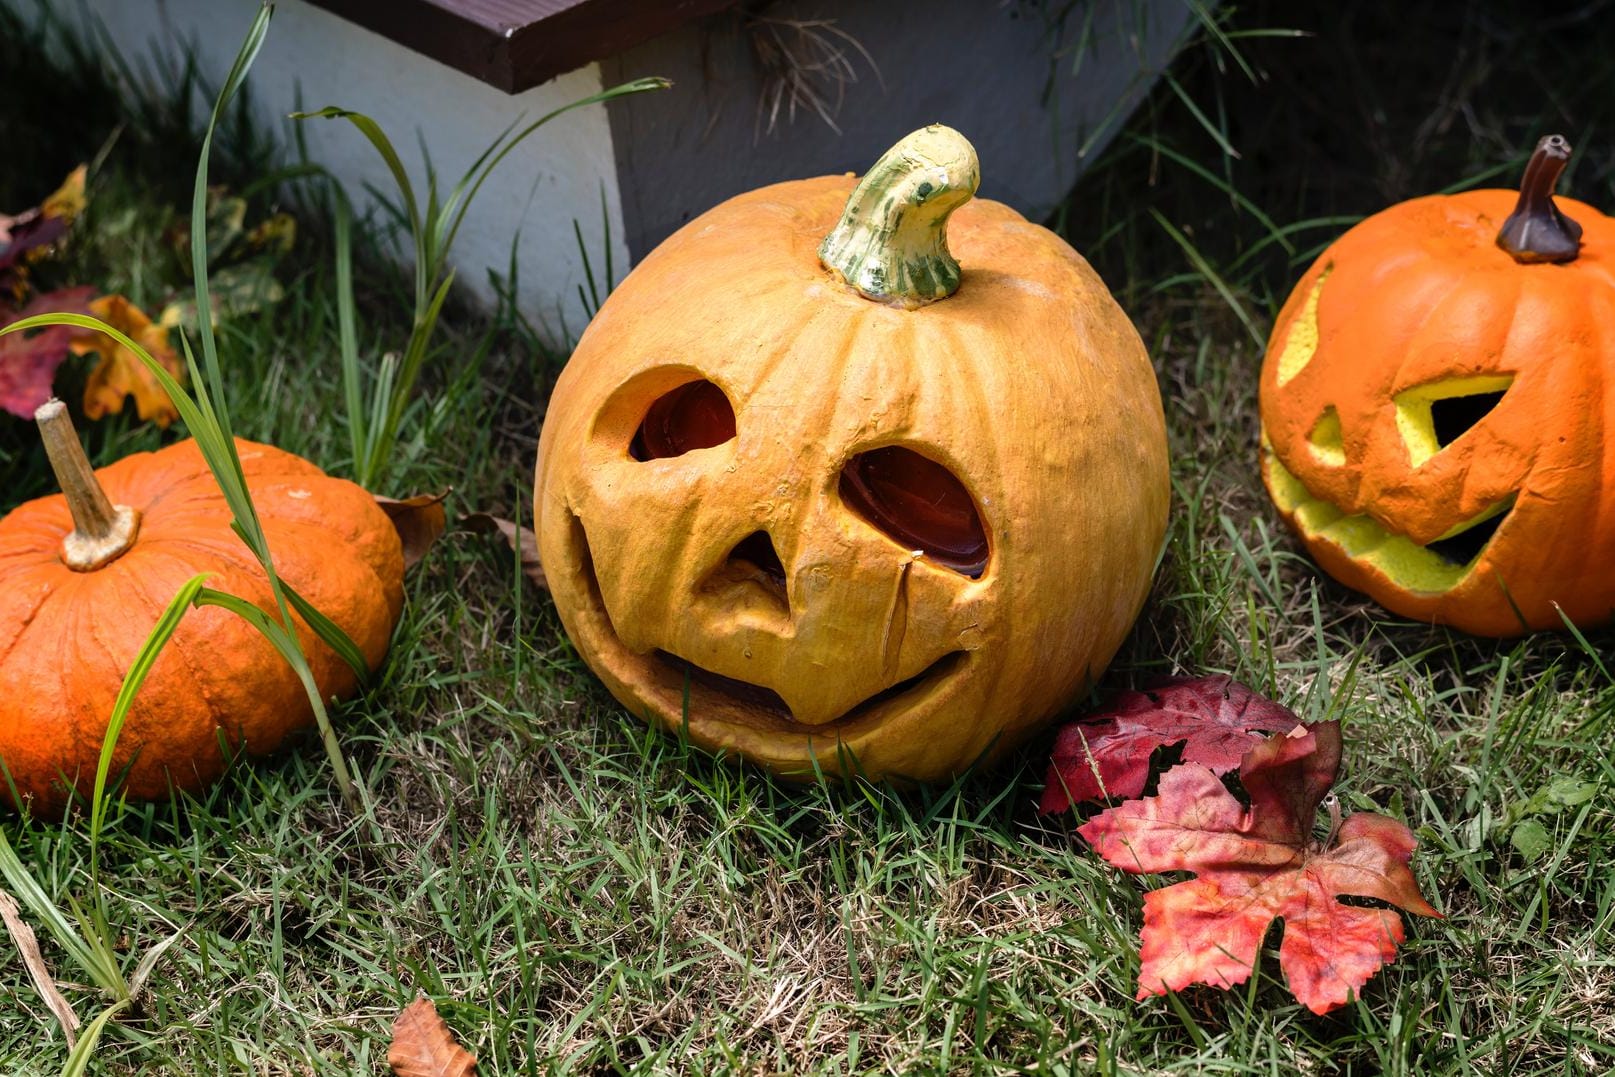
x,y
555,176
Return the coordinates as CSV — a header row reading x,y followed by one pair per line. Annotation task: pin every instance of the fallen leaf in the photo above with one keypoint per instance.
x,y
274,235
32,231
246,288
423,1045
34,961
1259,863
28,362
120,374
419,520
518,537
1216,719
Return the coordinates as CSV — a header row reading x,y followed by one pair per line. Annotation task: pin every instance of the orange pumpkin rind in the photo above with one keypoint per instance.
x,y
218,689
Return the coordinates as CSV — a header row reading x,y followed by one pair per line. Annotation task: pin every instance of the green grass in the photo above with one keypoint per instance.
x,y
584,894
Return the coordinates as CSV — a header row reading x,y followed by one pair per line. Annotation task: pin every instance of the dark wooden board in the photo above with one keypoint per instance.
x,y
517,44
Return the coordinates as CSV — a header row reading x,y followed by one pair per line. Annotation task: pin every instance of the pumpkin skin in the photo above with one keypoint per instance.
x,y
1029,385
1416,316
68,637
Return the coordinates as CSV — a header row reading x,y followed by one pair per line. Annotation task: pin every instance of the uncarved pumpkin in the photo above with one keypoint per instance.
x,y
831,502
1438,407
79,597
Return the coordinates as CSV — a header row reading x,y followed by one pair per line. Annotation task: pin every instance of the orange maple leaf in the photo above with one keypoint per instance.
x,y
120,374
423,1045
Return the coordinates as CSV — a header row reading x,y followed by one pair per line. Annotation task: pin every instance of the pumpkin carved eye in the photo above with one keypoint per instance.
x,y
696,415
918,503
1433,416
1455,415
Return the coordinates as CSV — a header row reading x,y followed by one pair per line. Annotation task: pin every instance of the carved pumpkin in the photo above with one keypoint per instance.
x,y
1438,410
836,504
85,574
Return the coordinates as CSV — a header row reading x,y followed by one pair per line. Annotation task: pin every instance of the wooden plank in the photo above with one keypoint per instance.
x,y
517,44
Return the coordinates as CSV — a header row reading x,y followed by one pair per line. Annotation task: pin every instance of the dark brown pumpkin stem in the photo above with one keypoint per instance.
x,y
1536,231
101,530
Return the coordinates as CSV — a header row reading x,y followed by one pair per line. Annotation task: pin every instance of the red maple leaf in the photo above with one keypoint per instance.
x,y
1216,719
28,362
1259,863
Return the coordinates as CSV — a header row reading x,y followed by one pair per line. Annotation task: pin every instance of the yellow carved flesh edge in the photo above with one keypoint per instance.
x,y
1302,342
1413,416
1361,538
1327,443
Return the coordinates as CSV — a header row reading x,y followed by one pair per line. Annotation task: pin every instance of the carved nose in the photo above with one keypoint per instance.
x,y
753,566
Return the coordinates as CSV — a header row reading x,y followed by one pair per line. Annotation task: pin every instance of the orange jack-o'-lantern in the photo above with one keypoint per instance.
x,y
1438,407
827,511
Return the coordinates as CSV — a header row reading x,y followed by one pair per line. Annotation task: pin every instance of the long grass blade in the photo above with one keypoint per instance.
x,y
1204,268
78,1062
133,679
285,641
39,905
347,334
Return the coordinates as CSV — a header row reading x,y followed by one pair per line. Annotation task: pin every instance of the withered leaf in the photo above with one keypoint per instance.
x,y
32,231
34,961
424,1046
517,537
1216,719
244,288
420,521
28,362
1261,863
120,374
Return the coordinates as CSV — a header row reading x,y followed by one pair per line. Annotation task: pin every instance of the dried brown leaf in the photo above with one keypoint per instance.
x,y
519,538
424,1046
419,520
34,962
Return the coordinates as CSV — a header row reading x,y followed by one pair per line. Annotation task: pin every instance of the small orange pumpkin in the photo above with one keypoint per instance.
x,y
812,490
84,575
1438,407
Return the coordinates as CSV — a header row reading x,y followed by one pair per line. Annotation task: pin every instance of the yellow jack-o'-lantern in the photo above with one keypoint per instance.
x,y
835,503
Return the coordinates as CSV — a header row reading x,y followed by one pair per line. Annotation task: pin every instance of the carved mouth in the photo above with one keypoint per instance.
x,y
677,683
1434,568
769,702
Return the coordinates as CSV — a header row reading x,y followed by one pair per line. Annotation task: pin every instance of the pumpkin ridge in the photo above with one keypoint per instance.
x,y
33,614
771,365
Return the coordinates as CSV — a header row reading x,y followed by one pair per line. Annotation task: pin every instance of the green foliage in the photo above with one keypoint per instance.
x,y
373,424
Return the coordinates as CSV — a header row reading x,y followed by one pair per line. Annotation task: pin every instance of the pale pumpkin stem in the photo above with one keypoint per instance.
x,y
101,530
1536,231
891,243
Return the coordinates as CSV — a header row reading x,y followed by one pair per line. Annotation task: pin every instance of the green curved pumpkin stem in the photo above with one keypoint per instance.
x,y
891,243
1536,231
101,531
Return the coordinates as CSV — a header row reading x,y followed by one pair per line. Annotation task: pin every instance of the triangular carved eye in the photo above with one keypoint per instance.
x,y
919,504
696,415
1453,416
1434,415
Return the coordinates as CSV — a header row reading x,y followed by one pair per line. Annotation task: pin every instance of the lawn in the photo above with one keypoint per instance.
x,y
581,893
